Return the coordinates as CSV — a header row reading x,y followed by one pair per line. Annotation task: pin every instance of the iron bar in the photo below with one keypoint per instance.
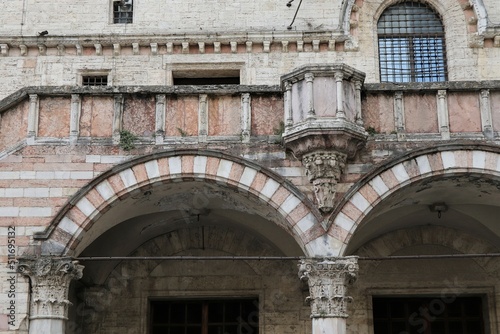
x,y
278,258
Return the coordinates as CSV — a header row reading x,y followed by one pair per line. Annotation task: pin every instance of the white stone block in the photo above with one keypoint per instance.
x,y
248,176
152,169
105,190
290,203
14,192
448,160
7,211
69,226
305,223
269,189
175,165
93,158
400,173
200,163
35,212
379,185
360,202
79,175
478,159
9,175
128,178
423,164
86,207
343,221
224,169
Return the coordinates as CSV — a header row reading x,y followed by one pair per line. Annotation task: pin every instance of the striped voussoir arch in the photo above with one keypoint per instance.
x,y
396,175
72,225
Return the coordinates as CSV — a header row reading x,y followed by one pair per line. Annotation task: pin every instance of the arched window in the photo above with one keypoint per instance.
x,y
411,44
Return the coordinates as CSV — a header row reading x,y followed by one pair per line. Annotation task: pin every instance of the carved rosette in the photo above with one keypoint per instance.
x,y
50,280
328,280
323,168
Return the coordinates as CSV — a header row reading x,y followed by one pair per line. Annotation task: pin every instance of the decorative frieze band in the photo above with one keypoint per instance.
x,y
288,43
328,279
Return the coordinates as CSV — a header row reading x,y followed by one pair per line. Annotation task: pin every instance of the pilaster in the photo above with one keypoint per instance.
x,y
485,107
443,118
33,115
246,117
160,118
76,109
203,118
50,279
117,118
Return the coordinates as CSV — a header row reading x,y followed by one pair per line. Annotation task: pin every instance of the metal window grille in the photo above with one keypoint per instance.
x,y
234,316
411,44
122,11
95,80
428,315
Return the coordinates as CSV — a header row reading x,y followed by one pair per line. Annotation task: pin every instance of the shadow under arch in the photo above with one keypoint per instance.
x,y
108,199
469,174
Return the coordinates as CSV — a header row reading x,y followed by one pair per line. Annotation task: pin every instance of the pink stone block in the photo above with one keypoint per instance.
x,y
351,211
78,217
435,162
236,173
212,166
117,184
95,198
14,125
370,194
224,115
267,113
463,109
163,168
96,118
495,109
181,117
141,175
258,183
313,233
139,115
187,164
411,168
378,112
421,113
389,179
54,117
279,196
298,213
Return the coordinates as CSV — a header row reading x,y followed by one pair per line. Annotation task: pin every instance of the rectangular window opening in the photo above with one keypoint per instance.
x,y
122,11
206,77
428,315
94,80
213,316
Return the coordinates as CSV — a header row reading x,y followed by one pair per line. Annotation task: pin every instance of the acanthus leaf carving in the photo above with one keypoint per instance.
x,y
328,280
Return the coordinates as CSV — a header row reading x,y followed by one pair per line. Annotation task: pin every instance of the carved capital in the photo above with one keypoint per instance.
x,y
323,168
50,279
328,280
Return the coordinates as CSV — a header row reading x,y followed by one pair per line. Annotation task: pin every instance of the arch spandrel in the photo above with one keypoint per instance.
x,y
415,170
89,212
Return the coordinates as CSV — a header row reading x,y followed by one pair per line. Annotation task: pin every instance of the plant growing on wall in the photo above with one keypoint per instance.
x,y
127,139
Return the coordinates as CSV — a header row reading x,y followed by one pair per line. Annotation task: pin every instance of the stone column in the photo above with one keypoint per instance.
x,y
328,279
309,78
50,279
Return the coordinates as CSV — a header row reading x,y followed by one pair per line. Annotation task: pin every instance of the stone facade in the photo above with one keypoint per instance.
x,y
142,189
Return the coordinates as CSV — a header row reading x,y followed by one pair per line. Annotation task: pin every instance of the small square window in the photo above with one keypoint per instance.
x,y
94,80
123,11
